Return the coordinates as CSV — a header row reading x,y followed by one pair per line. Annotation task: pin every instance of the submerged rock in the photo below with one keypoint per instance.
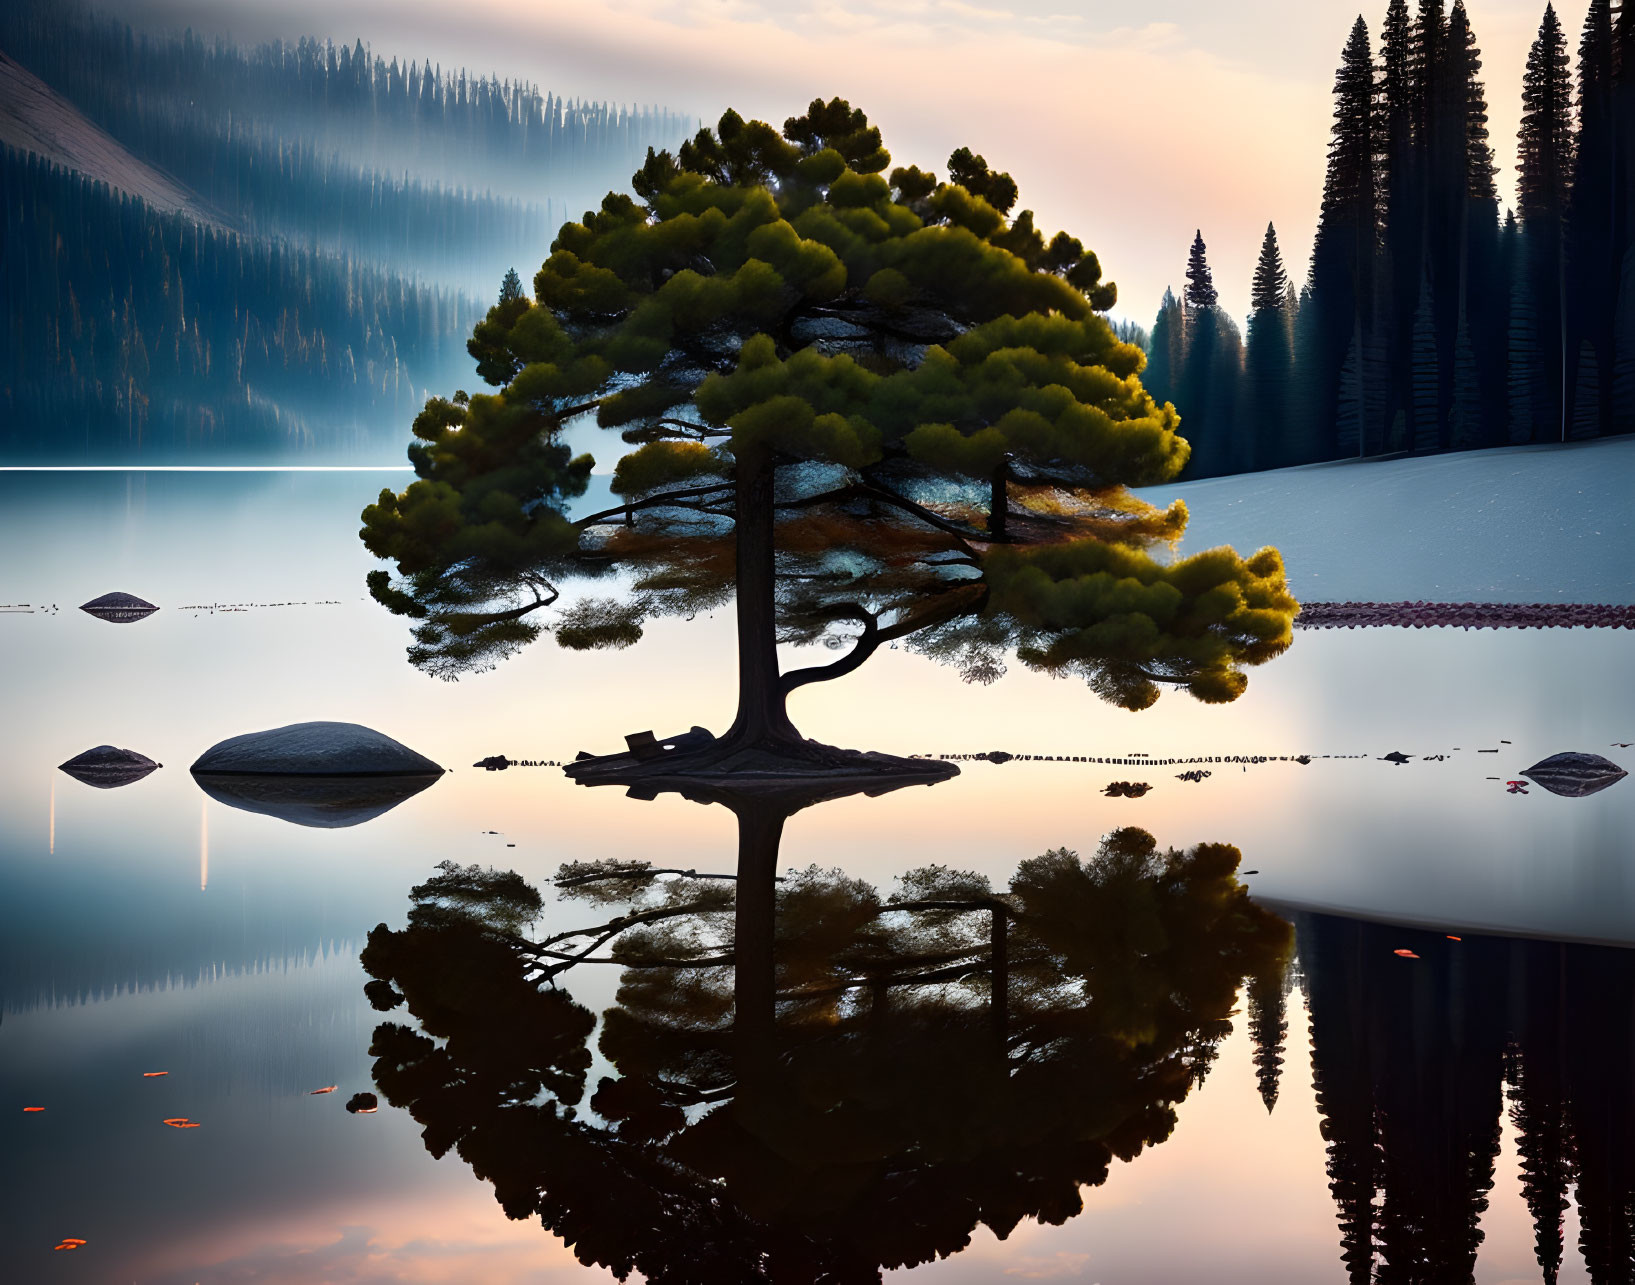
x,y
363,1104
107,767
320,802
1574,775
120,608
314,749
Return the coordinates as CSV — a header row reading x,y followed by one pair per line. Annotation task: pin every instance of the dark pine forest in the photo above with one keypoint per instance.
x,y
353,216
1432,318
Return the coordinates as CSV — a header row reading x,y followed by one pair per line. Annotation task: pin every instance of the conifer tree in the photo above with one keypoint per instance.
x,y
1268,362
510,287
855,399
1400,240
1166,349
1593,259
1268,1028
1343,254
1200,290
1210,374
1544,164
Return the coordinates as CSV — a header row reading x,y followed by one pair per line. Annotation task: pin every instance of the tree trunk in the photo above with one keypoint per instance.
x,y
762,716
754,985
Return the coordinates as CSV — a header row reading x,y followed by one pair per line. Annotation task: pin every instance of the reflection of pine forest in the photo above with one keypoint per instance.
x,y
1414,1061
944,1056
1433,318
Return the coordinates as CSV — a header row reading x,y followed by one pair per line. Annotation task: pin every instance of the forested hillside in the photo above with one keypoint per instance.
x,y
123,328
344,219
1432,319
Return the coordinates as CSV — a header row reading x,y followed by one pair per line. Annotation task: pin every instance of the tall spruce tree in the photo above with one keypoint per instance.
x,y
1211,372
1544,164
1343,254
1593,257
1268,363
1472,289
1200,290
1397,281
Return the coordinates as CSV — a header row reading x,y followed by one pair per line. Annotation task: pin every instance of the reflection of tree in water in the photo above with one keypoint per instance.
x,y
1411,1059
946,1056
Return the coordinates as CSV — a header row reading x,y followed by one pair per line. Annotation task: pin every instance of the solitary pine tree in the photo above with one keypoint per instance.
x,y
1544,164
855,399
510,287
1268,362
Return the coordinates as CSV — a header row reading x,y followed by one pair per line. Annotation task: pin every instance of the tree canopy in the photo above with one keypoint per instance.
x,y
857,397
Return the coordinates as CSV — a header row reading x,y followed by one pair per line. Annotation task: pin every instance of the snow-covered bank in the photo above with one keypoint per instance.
x,y
1519,524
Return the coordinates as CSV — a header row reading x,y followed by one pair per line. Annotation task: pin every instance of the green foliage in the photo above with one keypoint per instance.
x,y
890,349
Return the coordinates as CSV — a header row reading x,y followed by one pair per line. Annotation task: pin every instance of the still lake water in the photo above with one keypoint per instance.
x,y
150,928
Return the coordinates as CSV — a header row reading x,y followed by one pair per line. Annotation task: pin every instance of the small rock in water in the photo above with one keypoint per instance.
x,y
1395,756
1573,775
314,749
363,1104
120,608
107,767
494,763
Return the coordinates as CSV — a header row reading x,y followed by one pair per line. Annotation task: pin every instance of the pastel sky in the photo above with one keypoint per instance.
x,y
1131,125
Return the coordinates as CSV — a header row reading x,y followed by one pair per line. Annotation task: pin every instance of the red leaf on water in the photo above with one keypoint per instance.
x,y
328,1088
1406,954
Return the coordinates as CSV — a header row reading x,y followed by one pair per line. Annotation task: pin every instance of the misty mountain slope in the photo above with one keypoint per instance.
x,y
34,118
1515,524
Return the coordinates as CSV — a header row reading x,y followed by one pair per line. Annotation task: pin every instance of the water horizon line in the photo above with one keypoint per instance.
x,y
206,468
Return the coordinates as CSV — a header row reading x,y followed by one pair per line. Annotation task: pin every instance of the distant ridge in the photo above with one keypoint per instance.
x,y
35,118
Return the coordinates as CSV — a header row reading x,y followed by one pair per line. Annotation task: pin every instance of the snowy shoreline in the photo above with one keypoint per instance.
x,y
1516,524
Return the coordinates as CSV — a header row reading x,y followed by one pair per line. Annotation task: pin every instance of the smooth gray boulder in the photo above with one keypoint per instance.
x,y
1574,775
314,749
107,767
319,802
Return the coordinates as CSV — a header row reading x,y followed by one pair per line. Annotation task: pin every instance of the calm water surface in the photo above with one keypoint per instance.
x,y
1424,1110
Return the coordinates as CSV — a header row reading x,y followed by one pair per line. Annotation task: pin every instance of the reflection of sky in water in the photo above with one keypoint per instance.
x,y
248,989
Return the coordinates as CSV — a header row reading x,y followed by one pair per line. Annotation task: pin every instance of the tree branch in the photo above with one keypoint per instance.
x,y
664,500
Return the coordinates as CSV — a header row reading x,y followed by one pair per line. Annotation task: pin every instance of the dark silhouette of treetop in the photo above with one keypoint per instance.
x,y
510,286
1200,291
858,401
1270,287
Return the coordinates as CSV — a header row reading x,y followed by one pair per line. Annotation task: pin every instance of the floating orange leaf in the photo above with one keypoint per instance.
x,y
181,1122
1406,954
28,1110
70,1243
1451,937
153,1075
366,1111
328,1088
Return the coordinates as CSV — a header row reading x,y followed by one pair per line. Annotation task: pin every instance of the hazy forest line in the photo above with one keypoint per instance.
x,y
129,327
1429,321
370,206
